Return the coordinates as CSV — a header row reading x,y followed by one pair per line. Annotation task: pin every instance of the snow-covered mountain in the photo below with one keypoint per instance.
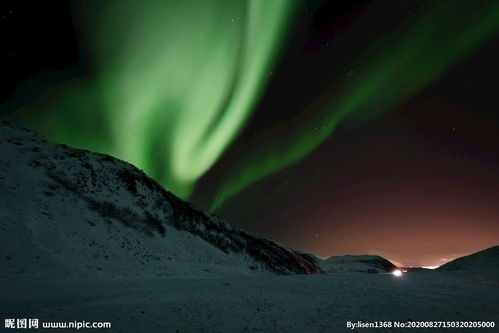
x,y
356,263
71,212
487,259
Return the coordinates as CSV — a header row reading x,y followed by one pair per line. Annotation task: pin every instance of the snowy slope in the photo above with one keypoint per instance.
x,y
70,212
358,263
488,258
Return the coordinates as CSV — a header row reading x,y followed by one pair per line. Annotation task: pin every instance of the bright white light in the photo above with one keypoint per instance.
x,y
397,272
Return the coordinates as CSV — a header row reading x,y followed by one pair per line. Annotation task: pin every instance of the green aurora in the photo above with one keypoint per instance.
x,y
172,83
394,69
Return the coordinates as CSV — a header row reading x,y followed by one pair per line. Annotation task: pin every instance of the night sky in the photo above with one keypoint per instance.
x,y
374,128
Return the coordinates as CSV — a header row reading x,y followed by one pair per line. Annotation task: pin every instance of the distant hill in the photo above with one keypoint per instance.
x,y
355,263
486,259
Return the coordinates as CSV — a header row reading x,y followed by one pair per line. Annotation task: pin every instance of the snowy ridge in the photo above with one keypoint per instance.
x,y
356,263
485,259
68,211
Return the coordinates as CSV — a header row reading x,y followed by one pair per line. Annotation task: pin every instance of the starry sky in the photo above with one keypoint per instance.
x,y
334,127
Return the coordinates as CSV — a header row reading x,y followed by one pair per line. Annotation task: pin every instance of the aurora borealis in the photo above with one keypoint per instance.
x,y
386,74
174,81
223,102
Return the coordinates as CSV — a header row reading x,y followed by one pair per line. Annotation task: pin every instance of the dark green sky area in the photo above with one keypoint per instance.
x,y
330,126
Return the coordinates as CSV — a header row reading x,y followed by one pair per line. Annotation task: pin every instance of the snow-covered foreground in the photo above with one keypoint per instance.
x,y
293,303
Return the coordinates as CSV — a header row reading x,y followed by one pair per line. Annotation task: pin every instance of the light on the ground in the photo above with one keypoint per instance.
x,y
397,272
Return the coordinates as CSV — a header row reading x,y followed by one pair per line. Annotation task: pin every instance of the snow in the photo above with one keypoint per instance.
x,y
482,265
84,236
488,258
70,212
355,263
292,303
